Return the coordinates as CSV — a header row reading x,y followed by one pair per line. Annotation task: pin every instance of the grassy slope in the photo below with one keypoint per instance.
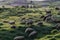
x,y
6,33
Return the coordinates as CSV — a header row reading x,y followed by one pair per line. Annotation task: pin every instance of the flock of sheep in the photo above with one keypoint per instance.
x,y
32,33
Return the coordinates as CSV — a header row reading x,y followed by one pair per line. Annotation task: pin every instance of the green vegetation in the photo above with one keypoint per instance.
x,y
11,23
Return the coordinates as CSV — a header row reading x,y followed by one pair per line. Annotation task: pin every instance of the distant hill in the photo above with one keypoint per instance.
x,y
23,2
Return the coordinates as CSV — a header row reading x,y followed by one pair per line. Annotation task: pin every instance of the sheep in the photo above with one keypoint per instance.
x,y
29,30
57,26
32,34
55,20
11,22
57,8
5,21
48,12
29,21
42,16
48,19
23,22
19,38
40,23
13,27
48,15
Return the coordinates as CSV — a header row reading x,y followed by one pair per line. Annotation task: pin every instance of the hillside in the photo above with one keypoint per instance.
x,y
21,2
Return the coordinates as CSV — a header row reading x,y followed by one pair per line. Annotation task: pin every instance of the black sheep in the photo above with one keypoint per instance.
x,y
13,27
57,8
33,34
19,38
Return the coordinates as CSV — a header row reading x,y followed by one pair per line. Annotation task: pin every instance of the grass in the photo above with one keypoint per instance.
x,y
45,32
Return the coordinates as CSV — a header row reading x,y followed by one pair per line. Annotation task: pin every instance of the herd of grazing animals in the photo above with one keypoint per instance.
x,y
48,18
30,31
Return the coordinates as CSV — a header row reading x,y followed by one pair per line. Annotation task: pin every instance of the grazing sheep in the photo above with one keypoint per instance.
x,y
48,15
57,8
48,12
12,22
29,30
55,19
5,21
29,21
23,18
48,19
33,34
19,38
23,22
40,23
57,26
13,27
42,16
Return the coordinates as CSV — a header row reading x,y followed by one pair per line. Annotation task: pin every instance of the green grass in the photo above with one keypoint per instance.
x,y
45,32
